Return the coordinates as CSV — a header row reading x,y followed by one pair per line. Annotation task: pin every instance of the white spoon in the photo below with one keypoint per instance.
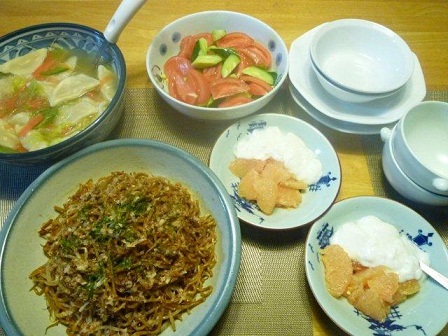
x,y
124,13
441,279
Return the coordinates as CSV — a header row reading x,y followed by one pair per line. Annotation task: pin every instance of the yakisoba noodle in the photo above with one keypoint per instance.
x,y
127,255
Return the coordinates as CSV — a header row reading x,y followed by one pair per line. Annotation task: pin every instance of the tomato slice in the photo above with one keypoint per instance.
x,y
235,101
208,37
200,85
258,54
225,87
234,40
186,47
176,70
212,73
186,83
258,87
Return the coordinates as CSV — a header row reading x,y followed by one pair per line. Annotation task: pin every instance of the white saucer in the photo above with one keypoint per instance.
x,y
377,112
317,199
338,125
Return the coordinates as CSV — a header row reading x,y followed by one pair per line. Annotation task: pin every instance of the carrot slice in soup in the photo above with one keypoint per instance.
x,y
225,87
234,39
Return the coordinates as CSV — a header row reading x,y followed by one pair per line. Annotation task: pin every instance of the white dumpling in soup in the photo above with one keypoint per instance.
x,y
72,87
34,140
8,137
107,80
25,65
78,114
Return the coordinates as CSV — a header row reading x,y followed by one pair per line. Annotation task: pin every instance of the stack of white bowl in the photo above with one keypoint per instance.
x,y
355,76
360,61
415,154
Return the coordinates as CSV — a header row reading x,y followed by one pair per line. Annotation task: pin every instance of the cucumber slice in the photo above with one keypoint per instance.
x,y
206,61
260,74
229,65
218,33
223,52
200,48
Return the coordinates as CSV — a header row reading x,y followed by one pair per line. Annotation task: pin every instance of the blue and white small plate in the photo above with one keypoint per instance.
x,y
317,198
425,313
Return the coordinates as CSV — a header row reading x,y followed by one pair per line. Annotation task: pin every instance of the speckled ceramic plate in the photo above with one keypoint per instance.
x,y
316,199
422,314
22,312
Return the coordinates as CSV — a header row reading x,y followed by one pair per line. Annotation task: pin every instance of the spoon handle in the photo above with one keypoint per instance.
x,y
441,279
124,13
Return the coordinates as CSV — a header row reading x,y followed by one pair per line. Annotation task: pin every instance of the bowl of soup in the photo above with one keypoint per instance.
x,y
61,89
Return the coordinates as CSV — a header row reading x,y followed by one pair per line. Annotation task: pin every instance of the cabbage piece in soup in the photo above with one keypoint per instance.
x,y
49,95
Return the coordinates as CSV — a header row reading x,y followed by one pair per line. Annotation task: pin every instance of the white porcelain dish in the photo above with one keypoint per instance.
x,y
338,125
316,200
22,312
167,43
362,56
401,182
421,145
422,314
345,94
377,112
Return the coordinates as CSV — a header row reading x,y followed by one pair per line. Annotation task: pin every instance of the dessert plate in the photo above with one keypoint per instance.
x,y
421,314
377,112
315,200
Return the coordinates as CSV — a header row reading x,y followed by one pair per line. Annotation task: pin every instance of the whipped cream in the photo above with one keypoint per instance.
x,y
372,242
287,148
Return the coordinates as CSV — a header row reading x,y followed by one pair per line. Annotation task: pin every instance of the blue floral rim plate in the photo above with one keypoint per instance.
x,y
316,199
425,313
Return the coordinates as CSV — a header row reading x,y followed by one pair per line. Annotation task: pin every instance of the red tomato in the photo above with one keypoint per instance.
x,y
260,56
186,83
200,85
225,87
234,39
257,86
213,73
208,37
176,69
187,47
235,101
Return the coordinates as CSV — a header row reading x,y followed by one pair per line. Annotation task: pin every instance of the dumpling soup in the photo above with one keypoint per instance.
x,y
49,95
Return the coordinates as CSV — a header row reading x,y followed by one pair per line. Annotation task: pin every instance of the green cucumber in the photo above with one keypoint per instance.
x,y
229,65
218,33
200,48
260,74
223,52
206,61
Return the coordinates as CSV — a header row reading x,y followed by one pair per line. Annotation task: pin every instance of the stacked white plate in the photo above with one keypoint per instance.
x,y
357,118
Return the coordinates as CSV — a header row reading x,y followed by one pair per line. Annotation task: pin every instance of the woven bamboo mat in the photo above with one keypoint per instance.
x,y
271,296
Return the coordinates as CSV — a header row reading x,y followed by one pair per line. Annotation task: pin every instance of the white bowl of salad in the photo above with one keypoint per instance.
x,y
60,91
217,65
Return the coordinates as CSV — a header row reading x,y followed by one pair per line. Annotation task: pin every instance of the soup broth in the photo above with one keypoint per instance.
x,y
49,95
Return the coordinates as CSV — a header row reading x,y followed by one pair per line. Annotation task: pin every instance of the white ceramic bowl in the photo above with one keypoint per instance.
x,y
22,312
421,145
422,314
166,44
362,56
344,94
402,183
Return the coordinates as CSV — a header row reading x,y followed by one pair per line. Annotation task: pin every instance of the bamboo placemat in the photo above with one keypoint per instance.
x,y
271,296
